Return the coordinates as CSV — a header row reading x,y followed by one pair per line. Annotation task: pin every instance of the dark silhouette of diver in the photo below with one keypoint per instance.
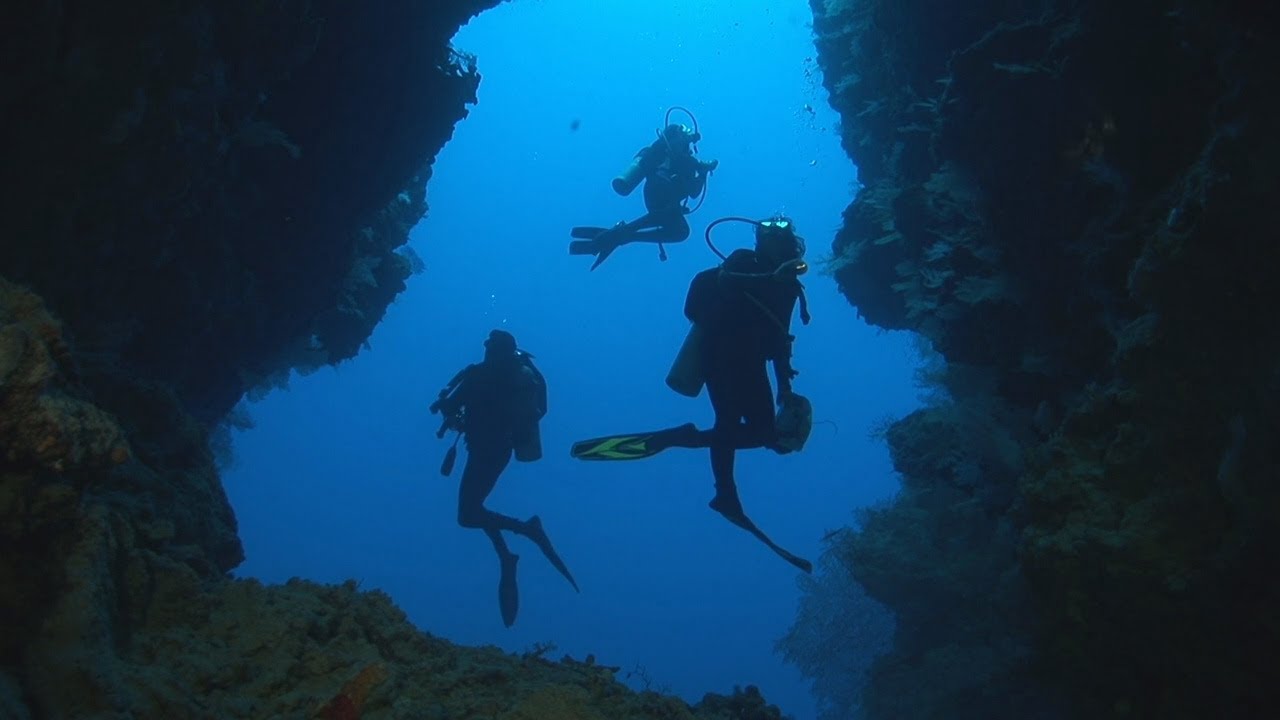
x,y
671,176
496,405
741,313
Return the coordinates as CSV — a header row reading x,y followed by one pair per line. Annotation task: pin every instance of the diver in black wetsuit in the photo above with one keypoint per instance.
x,y
671,176
744,309
741,314
496,405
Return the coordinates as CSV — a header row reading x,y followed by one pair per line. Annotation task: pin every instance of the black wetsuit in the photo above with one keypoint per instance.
x,y
746,323
670,179
499,398
501,401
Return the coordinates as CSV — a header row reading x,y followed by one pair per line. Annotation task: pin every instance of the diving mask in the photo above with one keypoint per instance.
x,y
677,133
776,239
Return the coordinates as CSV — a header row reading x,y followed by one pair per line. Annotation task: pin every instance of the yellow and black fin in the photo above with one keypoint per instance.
x,y
632,446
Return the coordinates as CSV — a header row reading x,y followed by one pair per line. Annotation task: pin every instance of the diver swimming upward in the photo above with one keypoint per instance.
x,y
671,176
496,405
741,314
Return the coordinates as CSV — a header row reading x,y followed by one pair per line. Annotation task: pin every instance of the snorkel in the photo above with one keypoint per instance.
x,y
789,268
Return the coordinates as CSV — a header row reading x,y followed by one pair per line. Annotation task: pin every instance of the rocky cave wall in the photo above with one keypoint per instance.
x,y
199,198
1071,202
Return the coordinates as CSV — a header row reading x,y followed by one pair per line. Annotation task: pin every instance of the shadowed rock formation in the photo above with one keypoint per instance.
x,y
1072,203
199,198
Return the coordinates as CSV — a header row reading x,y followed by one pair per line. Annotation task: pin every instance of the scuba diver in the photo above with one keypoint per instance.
x,y
497,404
741,314
671,176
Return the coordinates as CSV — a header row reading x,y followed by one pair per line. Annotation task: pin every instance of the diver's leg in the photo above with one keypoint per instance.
x,y
663,227
646,221
657,226
485,462
499,542
508,590
743,402
756,401
731,405
682,436
726,500
480,475
723,437
653,226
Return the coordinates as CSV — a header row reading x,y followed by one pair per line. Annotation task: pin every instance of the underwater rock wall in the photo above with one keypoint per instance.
x,y
209,194
1071,203
199,198
206,196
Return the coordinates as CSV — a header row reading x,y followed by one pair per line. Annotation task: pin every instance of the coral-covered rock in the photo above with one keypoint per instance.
x,y
42,422
1067,200
241,649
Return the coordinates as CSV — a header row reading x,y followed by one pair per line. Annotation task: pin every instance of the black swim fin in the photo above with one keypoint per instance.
x,y
732,511
586,244
603,253
588,232
633,446
595,241
508,592
583,247
534,531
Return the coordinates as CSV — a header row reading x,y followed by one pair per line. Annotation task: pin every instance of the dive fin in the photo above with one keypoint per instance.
x,y
608,241
632,446
592,241
616,447
583,247
588,232
602,255
508,592
535,533
734,514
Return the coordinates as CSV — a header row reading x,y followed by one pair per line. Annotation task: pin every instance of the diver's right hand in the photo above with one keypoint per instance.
x,y
711,165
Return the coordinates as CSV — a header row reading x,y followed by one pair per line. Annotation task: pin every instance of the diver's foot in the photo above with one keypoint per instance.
x,y
589,236
533,530
608,241
685,436
727,504
508,592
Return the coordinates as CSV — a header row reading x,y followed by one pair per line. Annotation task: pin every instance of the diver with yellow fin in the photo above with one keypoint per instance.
x,y
496,406
741,318
671,176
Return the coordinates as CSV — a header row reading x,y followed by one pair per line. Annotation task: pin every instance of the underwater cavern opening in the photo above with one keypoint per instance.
x,y
544,140
1062,200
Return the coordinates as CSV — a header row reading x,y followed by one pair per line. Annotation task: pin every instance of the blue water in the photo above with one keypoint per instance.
x,y
339,479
